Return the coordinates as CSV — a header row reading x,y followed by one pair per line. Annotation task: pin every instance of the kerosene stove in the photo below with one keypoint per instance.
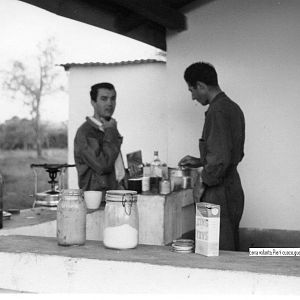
x,y
56,174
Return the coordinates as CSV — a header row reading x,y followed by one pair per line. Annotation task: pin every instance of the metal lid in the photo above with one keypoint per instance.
x,y
72,192
121,195
121,192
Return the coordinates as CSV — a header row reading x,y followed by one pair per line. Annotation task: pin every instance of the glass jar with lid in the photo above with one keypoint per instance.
x,y
71,218
121,220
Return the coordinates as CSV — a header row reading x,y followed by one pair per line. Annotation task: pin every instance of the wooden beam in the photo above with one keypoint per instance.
x,y
156,11
103,15
129,21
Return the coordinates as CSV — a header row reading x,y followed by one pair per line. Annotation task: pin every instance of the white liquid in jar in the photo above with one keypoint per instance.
x,y
120,237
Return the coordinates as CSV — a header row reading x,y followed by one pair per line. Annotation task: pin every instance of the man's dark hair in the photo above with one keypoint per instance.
x,y
201,71
96,87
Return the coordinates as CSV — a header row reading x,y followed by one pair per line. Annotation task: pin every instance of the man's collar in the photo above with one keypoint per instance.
x,y
217,97
214,100
95,123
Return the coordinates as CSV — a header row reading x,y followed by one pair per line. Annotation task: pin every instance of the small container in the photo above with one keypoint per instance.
x,y
121,220
186,182
92,199
135,184
176,183
165,187
147,170
145,184
154,184
71,218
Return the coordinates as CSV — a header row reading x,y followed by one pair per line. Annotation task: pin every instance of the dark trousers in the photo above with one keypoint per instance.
x,y
230,196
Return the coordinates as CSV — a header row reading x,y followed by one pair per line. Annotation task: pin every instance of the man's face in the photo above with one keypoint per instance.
x,y
199,93
105,103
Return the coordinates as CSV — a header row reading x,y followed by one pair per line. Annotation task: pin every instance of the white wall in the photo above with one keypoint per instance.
x,y
140,109
255,48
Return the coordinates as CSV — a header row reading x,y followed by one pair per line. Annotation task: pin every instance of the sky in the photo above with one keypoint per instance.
x,y
23,26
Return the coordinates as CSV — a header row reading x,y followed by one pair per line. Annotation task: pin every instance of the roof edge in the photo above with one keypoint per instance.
x,y
67,66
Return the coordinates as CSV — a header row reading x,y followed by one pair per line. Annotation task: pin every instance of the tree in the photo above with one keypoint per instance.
x,y
33,85
16,133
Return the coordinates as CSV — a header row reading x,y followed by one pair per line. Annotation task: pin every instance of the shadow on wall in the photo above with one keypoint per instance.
x,y
268,238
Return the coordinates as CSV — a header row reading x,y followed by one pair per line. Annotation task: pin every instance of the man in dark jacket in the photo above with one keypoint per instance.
x,y
97,143
221,149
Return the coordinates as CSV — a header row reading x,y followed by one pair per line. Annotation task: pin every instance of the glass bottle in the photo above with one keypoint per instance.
x,y
156,173
71,218
121,220
156,170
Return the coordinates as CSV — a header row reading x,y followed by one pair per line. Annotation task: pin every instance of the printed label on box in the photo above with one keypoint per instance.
x,y
207,229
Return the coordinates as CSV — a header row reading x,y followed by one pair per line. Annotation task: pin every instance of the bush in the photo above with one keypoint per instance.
x,y
19,133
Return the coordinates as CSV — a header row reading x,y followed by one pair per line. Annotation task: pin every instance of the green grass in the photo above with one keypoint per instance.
x,y
19,177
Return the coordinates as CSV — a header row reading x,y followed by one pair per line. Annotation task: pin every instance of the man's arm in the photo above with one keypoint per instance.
x,y
190,161
218,149
103,161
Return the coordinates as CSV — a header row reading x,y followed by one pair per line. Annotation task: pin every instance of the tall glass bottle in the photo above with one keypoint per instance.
x,y
156,170
156,173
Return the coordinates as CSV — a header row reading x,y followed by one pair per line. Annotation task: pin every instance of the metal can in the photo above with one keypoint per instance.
x,y
186,182
145,184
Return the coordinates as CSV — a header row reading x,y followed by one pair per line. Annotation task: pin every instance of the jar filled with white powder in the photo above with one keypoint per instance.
x,y
121,220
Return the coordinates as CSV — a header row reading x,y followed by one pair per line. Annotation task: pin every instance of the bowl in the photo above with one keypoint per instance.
x,y
92,199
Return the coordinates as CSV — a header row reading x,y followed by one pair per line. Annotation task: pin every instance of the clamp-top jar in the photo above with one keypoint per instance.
x,y
121,220
71,218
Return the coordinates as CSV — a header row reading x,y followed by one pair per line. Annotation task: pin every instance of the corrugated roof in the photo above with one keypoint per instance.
x,y
67,66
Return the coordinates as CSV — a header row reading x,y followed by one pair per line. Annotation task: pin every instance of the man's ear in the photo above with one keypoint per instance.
x,y
201,85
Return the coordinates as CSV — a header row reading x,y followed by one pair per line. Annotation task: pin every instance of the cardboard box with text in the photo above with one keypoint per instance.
x,y
207,229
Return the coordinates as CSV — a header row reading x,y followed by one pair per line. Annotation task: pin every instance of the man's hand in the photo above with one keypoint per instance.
x,y
190,161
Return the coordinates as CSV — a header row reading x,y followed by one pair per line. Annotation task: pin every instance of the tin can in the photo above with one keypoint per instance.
x,y
145,184
186,182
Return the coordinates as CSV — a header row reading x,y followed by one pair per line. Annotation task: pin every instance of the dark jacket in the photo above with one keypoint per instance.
x,y
221,149
223,138
95,153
